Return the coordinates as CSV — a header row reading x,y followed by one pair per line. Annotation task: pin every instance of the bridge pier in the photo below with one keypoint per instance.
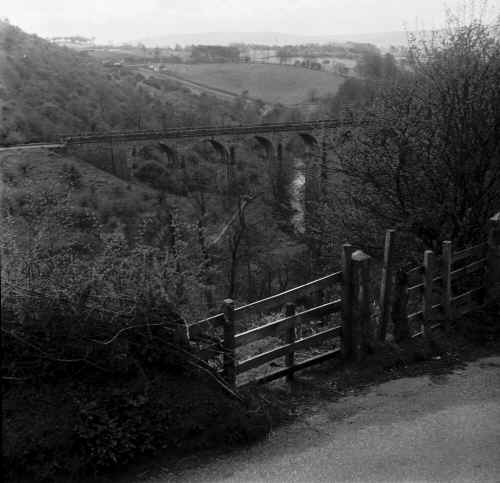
x,y
220,149
231,164
122,159
172,155
268,146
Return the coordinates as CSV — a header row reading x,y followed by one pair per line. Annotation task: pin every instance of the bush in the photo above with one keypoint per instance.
x,y
157,177
151,173
96,364
72,176
9,177
138,388
92,425
125,209
428,162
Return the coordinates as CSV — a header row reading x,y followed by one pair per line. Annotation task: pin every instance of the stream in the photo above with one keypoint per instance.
x,y
297,195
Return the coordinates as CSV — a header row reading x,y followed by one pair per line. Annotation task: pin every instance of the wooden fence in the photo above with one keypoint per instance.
x,y
414,301
439,290
285,326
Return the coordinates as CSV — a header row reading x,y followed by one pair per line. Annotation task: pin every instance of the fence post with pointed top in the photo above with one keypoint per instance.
x,y
361,320
429,260
386,283
446,276
347,300
229,362
493,264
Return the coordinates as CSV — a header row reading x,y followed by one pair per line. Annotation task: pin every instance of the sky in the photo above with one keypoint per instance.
x,y
127,20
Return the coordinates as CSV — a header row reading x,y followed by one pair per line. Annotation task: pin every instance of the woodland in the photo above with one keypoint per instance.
x,y
101,275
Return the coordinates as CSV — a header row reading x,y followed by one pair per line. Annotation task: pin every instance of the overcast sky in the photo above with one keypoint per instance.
x,y
122,20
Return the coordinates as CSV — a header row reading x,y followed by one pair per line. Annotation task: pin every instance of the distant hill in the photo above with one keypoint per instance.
x,y
381,39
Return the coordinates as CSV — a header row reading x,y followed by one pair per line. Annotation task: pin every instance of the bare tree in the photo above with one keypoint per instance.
x,y
429,163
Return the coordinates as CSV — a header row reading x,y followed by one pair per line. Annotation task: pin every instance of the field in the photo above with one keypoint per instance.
x,y
272,83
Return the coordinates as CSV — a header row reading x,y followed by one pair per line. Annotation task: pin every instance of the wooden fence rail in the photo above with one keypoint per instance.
x,y
441,289
291,321
288,327
267,304
413,302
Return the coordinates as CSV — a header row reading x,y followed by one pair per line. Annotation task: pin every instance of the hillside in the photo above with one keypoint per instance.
x,y
82,251
70,206
65,193
100,275
46,90
271,83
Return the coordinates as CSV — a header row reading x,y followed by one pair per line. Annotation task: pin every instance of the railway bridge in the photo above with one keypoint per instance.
x,y
116,150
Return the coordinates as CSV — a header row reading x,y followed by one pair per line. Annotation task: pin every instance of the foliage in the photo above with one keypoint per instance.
x,y
96,366
81,94
429,163
374,65
340,50
72,176
214,53
48,91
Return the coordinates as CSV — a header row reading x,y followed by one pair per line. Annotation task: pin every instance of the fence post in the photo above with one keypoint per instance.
x,y
427,302
493,263
347,300
290,338
361,321
446,276
386,283
229,363
400,307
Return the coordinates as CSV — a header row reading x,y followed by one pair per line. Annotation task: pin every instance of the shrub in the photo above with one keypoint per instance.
x,y
125,209
9,176
151,173
72,176
428,163
107,317
118,191
24,169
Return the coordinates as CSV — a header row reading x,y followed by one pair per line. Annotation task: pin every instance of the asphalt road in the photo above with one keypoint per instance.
x,y
425,429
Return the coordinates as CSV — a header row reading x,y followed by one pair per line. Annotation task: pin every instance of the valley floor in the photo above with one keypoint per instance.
x,y
427,428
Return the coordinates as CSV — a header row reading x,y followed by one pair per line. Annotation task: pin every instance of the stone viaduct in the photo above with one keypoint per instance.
x,y
115,151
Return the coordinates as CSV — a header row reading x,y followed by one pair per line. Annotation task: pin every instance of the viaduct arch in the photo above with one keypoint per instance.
x,y
112,151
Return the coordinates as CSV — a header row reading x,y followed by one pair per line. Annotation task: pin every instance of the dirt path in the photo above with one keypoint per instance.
x,y
427,428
